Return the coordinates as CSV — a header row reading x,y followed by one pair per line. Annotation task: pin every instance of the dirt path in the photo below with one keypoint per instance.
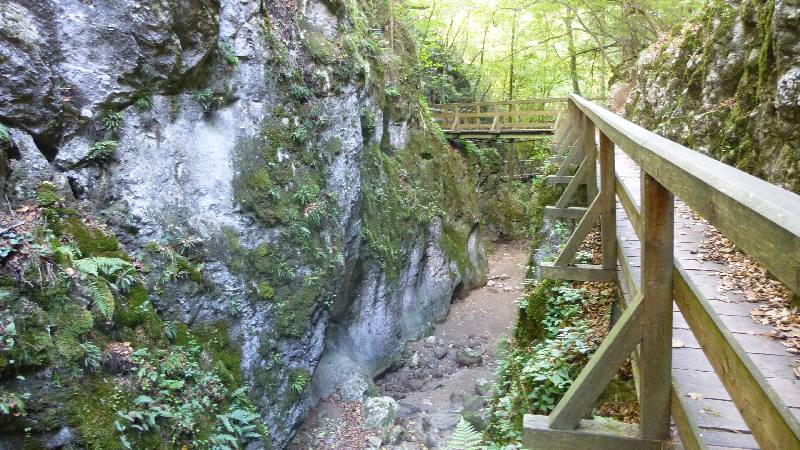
x,y
440,378
449,374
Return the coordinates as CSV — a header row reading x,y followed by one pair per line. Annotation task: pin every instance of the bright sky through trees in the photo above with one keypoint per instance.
x,y
536,48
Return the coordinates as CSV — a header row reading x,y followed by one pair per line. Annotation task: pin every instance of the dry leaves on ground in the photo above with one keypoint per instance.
x,y
742,274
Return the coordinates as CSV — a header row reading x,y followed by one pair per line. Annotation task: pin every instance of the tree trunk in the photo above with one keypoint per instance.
x,y
511,57
573,57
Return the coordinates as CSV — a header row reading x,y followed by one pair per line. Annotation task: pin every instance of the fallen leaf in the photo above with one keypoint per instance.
x,y
695,395
677,343
710,411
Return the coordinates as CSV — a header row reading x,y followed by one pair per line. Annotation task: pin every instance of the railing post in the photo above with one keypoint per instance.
x,y
608,218
655,362
457,121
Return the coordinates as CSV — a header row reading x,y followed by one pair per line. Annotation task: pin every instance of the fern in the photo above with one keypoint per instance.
x,y
103,273
465,437
102,297
101,266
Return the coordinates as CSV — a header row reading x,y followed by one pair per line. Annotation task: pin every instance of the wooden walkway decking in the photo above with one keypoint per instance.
x,y
713,411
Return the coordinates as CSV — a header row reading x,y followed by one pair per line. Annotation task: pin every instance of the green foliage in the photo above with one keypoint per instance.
x,y
186,402
47,194
112,121
5,136
536,373
104,274
300,92
465,437
299,380
144,102
367,120
101,151
226,50
207,99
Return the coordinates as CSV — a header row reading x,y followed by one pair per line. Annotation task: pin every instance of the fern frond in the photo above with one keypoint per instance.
x,y
102,297
465,437
102,265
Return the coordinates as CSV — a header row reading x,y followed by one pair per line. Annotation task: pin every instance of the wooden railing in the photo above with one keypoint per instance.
x,y
518,116
761,219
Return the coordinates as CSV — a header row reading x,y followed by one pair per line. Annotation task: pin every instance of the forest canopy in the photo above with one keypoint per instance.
x,y
511,49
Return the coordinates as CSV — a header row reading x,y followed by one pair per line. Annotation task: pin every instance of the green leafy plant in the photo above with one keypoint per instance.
x,y
206,99
105,275
112,121
144,102
226,50
5,136
465,437
101,151
299,380
91,356
300,92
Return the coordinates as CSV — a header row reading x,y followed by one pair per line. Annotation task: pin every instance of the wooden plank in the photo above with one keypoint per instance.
x,y
689,432
608,211
580,272
579,234
626,199
555,179
573,212
767,417
591,434
655,364
602,367
757,216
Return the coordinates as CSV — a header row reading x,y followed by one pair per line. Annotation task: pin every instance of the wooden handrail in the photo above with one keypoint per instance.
x,y
759,217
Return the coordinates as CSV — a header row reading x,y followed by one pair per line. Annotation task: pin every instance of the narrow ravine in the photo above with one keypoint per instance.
x,y
448,374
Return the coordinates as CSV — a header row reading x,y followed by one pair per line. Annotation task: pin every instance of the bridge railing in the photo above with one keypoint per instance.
x,y
537,115
760,218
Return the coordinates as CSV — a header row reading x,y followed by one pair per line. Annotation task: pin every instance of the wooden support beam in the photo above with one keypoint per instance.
x,y
591,158
607,434
655,364
600,370
573,212
554,179
556,159
572,187
579,272
574,157
579,234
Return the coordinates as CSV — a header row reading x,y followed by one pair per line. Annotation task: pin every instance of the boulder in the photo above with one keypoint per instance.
x,y
379,412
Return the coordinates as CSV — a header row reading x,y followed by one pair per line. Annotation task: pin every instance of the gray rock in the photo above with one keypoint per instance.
x,y
440,352
464,401
483,387
478,419
379,412
444,420
468,357
63,438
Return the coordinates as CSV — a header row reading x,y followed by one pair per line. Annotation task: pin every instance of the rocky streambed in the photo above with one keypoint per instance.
x,y
418,401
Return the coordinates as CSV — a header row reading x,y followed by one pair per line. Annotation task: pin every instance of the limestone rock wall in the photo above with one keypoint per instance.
x,y
727,83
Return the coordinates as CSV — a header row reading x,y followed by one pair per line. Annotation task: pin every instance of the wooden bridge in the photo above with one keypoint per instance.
x,y
743,383
517,119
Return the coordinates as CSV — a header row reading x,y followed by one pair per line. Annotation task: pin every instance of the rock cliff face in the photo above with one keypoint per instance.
x,y
727,83
265,164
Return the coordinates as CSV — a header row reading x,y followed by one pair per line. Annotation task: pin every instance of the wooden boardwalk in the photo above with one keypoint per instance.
x,y
709,406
